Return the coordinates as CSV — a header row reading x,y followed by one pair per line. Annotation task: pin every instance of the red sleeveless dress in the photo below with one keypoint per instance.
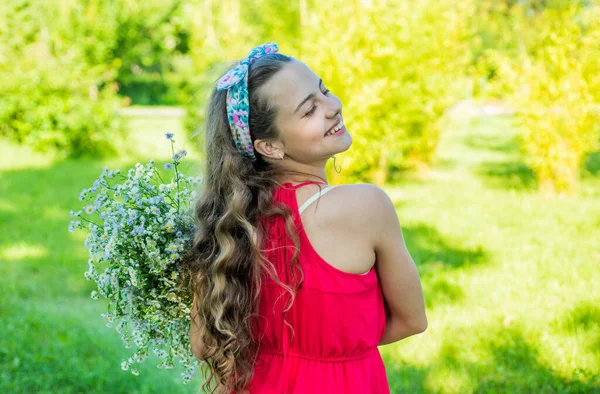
x,y
337,317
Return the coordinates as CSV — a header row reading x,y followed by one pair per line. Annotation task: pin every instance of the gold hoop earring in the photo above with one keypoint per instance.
x,y
336,168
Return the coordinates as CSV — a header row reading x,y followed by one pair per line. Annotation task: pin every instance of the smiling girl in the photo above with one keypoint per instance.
x,y
294,290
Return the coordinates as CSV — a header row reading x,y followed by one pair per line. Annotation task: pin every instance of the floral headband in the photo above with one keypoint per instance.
x,y
238,104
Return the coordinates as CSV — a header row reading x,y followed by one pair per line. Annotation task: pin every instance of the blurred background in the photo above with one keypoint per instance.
x,y
480,118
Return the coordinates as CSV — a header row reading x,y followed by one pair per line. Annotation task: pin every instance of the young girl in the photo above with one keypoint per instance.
x,y
293,289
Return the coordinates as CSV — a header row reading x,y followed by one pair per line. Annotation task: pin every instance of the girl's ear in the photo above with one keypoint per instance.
x,y
268,149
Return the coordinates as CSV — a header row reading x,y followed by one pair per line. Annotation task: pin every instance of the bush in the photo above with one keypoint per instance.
x,y
151,38
394,68
219,35
54,97
52,105
555,90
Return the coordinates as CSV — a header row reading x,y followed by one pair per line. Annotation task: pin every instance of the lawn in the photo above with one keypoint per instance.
x,y
510,275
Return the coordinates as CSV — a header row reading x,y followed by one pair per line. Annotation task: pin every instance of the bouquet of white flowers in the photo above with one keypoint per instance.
x,y
138,230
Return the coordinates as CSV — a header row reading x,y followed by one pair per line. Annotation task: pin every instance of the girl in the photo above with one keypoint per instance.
x,y
292,296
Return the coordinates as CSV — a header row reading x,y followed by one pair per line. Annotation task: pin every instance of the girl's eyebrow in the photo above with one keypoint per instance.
x,y
310,96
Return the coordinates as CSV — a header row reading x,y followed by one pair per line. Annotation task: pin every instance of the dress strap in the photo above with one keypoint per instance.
x,y
302,184
313,198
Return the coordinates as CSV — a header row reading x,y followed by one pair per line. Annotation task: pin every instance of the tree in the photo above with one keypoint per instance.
x,y
555,88
396,69
57,92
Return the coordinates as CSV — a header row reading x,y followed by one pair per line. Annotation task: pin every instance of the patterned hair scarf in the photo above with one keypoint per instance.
x,y
238,105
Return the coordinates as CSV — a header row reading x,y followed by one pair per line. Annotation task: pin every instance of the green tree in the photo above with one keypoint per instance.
x,y
555,89
152,44
397,67
56,91
221,32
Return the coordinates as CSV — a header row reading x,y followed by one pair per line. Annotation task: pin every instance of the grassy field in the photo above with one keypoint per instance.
x,y
511,277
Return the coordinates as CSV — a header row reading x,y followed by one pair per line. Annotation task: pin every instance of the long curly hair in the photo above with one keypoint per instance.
x,y
226,265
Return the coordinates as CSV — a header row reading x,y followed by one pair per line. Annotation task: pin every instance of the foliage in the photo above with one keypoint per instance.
x,y
501,26
397,66
139,230
555,84
61,73
219,35
395,69
151,44
57,92
395,87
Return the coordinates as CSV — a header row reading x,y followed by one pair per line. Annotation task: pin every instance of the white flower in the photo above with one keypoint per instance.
x,y
110,319
135,238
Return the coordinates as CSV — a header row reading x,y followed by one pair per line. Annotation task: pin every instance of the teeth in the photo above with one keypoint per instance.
x,y
336,128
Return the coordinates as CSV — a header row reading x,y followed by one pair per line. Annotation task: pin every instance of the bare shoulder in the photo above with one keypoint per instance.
x,y
366,206
362,206
364,193
365,198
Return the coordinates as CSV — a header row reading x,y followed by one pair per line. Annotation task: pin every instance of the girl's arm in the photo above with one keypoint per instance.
x,y
197,347
398,275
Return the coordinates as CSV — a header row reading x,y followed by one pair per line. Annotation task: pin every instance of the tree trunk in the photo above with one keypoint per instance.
x,y
381,172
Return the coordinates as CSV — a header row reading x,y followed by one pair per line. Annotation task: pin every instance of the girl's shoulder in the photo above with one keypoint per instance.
x,y
349,205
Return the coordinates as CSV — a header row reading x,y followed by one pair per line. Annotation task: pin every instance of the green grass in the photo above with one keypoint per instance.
x,y
510,275
53,338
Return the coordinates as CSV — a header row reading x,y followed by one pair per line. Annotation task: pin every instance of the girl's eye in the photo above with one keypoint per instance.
x,y
310,112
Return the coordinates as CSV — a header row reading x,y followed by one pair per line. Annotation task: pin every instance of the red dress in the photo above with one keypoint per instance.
x,y
338,319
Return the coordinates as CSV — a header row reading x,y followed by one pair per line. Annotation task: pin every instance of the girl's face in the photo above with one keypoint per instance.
x,y
306,112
